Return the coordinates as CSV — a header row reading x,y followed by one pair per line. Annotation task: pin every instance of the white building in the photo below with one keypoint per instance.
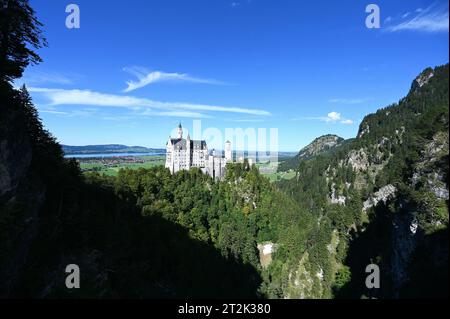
x,y
186,153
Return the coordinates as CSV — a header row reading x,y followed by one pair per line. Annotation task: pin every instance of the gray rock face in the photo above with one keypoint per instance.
x,y
428,172
440,192
265,253
358,160
320,145
422,79
364,131
335,198
383,194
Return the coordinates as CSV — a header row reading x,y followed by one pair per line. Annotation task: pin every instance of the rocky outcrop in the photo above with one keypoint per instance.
x,y
382,195
335,198
301,281
364,131
320,145
429,171
422,79
358,160
265,253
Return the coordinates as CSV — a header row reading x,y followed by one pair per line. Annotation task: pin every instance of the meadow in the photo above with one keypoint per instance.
x,y
112,166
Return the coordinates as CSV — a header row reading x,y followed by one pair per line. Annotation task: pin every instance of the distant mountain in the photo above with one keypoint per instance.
x,y
320,145
109,148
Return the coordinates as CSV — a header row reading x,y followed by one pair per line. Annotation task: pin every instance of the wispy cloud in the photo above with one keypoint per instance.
x,y
405,15
41,78
87,97
176,114
346,101
432,19
84,112
146,78
53,112
332,117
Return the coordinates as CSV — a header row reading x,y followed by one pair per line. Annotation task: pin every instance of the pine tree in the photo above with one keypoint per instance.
x,y
20,33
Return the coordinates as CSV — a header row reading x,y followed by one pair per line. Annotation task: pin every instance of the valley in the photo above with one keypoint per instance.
x,y
188,222
112,164
381,198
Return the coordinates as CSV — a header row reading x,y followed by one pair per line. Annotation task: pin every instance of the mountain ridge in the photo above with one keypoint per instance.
x,y
108,148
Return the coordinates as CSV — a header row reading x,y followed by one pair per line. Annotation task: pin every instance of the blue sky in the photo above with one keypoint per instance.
x,y
134,69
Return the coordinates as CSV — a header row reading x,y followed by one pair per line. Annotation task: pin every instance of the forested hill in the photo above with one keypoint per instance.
x,y
146,234
143,234
320,145
382,198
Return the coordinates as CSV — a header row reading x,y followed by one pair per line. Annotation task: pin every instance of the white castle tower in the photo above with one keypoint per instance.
x,y
228,152
182,154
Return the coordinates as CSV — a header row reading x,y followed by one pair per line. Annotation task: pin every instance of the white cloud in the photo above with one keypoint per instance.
x,y
332,117
176,114
40,77
85,112
53,112
146,78
431,19
87,97
405,15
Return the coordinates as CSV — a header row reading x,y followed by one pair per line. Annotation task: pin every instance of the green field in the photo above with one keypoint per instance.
x,y
151,161
112,170
273,175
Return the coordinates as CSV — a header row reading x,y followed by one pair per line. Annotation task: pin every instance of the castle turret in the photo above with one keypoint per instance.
x,y
180,131
228,152
169,155
188,151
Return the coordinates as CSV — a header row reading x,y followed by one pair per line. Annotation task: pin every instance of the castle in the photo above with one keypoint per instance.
x,y
186,153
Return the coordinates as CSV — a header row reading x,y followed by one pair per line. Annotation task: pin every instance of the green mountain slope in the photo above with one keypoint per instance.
x,y
384,198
